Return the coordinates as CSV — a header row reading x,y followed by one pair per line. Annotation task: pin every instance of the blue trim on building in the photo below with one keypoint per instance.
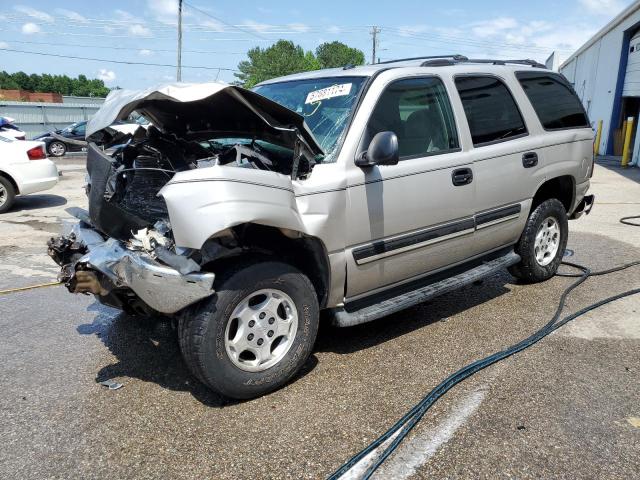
x,y
617,99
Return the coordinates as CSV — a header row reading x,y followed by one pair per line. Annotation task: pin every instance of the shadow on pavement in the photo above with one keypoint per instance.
x,y
613,164
148,350
33,202
352,339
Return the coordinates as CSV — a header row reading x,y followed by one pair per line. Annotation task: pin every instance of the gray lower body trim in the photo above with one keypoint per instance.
x,y
411,241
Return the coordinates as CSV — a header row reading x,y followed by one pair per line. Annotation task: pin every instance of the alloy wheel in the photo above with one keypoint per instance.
x,y
261,330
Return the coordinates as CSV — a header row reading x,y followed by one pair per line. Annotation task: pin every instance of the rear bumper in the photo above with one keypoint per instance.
x,y
162,288
584,207
36,176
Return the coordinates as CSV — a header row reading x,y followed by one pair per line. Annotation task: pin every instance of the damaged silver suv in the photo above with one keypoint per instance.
x,y
358,191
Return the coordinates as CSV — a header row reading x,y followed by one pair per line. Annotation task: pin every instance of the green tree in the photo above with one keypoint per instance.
x,y
337,54
281,58
62,84
7,81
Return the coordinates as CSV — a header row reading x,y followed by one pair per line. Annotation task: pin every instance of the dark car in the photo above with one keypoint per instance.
x,y
69,139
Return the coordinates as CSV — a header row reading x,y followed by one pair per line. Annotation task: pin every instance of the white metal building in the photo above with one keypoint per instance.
x,y
605,73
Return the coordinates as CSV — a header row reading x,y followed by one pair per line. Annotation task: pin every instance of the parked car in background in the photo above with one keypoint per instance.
x,y
24,169
8,129
71,138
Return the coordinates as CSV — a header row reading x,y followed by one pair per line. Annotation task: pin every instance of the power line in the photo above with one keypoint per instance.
x,y
225,23
109,47
148,64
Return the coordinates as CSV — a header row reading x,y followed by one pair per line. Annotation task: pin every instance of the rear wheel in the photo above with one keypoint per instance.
x,y
7,195
57,149
255,333
542,243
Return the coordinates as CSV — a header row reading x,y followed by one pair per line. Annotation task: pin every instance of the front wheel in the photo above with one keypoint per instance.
x,y
255,333
542,244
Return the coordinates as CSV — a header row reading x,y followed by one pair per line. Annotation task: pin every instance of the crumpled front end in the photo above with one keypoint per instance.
x,y
169,202
127,275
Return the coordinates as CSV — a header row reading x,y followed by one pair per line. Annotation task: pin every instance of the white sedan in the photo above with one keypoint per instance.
x,y
24,169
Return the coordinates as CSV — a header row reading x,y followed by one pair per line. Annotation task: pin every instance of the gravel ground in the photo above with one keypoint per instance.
x,y
566,408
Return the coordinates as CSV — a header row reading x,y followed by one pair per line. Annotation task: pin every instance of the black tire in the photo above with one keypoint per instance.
x,y
529,269
59,150
202,329
7,195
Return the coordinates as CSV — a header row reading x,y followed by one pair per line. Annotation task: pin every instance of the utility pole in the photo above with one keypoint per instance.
x,y
374,33
179,72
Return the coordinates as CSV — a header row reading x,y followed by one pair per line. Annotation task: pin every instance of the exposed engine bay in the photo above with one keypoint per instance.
x,y
129,181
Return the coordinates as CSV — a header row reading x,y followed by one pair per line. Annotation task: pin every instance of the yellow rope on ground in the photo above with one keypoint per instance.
x,y
32,287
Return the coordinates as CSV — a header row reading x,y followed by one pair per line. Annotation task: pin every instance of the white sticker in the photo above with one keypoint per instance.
x,y
329,92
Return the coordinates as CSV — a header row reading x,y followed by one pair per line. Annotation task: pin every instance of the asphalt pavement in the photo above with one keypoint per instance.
x,y
565,408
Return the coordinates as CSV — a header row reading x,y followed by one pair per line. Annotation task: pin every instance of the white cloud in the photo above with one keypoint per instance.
x,y
298,27
494,27
107,76
4,45
145,53
124,16
138,30
71,15
165,11
257,27
212,25
408,30
334,29
602,7
30,28
33,13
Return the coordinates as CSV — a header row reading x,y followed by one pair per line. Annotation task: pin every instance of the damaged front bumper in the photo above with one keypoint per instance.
x,y
162,288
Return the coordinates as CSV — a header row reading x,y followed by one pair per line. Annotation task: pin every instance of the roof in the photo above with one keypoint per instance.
x,y
626,13
369,70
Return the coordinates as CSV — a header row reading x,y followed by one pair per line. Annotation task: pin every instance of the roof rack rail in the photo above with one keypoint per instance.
x,y
447,61
456,57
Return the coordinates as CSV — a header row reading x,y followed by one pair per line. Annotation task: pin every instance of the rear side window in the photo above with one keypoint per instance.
x,y
553,99
491,111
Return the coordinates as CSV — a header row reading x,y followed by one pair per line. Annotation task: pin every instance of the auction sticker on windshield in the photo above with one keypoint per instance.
x,y
329,92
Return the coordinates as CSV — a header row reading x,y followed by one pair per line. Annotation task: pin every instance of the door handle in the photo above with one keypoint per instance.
x,y
529,159
462,176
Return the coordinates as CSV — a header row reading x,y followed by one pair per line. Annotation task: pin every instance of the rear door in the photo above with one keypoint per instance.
x,y
417,216
507,158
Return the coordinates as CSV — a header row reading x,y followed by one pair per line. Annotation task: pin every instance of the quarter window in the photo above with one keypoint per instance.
x,y
554,101
418,111
491,111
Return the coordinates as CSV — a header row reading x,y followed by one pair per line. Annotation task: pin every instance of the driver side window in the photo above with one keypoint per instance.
x,y
80,129
418,111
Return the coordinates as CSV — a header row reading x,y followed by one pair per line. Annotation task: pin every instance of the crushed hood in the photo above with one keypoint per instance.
x,y
206,111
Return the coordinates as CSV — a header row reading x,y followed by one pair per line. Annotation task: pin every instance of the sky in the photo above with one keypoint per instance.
x,y
217,35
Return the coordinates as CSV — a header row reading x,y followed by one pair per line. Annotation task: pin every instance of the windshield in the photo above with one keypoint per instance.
x,y
78,127
325,103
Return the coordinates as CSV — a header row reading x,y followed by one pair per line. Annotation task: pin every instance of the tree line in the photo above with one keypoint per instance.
x,y
284,58
80,86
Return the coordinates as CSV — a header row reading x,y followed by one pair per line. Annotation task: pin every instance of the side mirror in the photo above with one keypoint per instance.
x,y
383,150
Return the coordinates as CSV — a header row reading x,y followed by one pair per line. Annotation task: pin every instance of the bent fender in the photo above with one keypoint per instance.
x,y
206,201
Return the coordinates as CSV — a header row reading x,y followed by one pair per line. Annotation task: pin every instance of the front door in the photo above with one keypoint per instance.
x,y
415,217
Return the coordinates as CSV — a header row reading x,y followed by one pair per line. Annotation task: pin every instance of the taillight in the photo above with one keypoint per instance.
x,y
36,153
